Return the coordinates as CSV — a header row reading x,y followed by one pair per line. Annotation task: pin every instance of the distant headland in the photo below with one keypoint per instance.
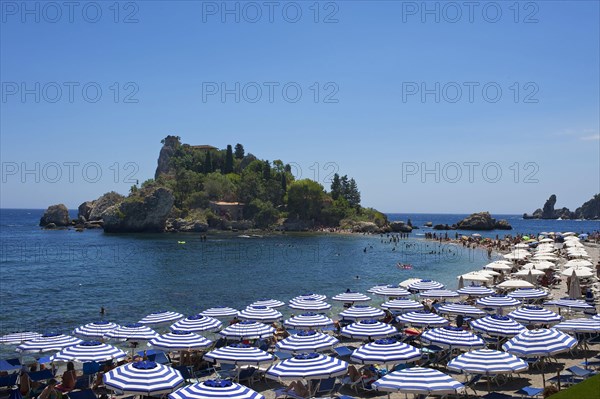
x,y
590,210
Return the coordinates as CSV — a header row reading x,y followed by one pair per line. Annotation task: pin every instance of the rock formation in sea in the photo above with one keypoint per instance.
x,y
145,211
589,210
482,221
170,144
55,216
400,227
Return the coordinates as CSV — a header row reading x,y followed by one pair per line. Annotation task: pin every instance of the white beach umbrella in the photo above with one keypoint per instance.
x,y
452,338
96,329
307,366
422,319
391,291
528,294
89,351
133,332
197,323
534,315
461,309
309,304
220,312
574,287
361,312
160,318
539,265
497,301
180,341
498,266
576,263
571,304
311,295
269,303
478,276
351,297
388,352
247,330
260,313
215,389
19,337
307,341
308,321
476,291
515,283
143,378
580,272
527,272
425,285
497,326
239,354
420,381
439,294
48,343
368,329
582,325
402,305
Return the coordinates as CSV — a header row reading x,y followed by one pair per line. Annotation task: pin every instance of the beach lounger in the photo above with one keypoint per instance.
x,y
580,372
326,387
42,375
475,378
343,351
529,392
282,393
282,355
248,375
84,394
9,380
186,373
6,366
497,395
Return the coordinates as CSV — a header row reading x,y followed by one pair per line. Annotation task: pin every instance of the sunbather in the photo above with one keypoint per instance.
x,y
299,389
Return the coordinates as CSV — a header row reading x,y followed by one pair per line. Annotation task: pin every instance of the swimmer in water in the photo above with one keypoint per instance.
x,y
357,277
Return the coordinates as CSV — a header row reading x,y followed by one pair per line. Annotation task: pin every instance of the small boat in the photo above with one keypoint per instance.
x,y
244,236
404,266
180,242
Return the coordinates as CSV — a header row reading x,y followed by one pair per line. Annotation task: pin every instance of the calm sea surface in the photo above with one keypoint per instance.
x,y
57,280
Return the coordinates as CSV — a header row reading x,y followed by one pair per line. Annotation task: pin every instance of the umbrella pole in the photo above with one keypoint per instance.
x,y
543,375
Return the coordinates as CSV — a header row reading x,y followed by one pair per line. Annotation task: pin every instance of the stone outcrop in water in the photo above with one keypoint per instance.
x,y
144,211
55,216
589,210
400,227
482,221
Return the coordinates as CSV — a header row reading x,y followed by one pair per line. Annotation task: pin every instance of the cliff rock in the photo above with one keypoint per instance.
x,y
84,210
365,227
590,209
103,203
55,216
482,221
170,144
400,227
145,211
186,226
548,209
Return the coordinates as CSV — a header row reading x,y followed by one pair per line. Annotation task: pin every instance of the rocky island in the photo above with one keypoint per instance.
x,y
476,221
590,210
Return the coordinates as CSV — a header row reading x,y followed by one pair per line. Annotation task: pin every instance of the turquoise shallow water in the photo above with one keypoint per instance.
x,y
57,280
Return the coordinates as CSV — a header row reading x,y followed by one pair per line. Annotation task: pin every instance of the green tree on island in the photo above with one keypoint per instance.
x,y
239,151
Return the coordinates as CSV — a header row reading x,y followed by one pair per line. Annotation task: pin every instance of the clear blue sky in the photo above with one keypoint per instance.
x,y
378,57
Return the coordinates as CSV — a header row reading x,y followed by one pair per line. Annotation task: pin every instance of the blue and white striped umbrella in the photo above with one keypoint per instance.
x,y
475,291
311,295
180,341
528,293
387,352
19,337
402,305
369,329
160,318
534,314
425,285
239,354
488,362
540,342
260,313
48,343
418,380
453,338
220,312
580,325
376,287
247,330
351,297
216,389
422,318
308,321
96,329
309,304
498,326
89,351
571,304
391,290
143,378
270,303
307,341
465,310
197,323
361,312
308,366
439,294
133,332
497,301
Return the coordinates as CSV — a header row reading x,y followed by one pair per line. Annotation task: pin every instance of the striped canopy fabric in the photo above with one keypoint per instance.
x,y
19,337
197,323
582,325
311,295
475,291
418,380
498,326
402,305
307,341
425,285
133,332
270,303
211,389
351,297
307,321
89,351
596,317
528,293
308,366
239,354
248,330
96,329
48,343
540,342
369,329
160,318
387,352
260,313
180,340
361,312
571,304
220,312
309,304
422,318
391,290
465,310
497,301
376,287
488,362
453,338
439,294
534,315
143,378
